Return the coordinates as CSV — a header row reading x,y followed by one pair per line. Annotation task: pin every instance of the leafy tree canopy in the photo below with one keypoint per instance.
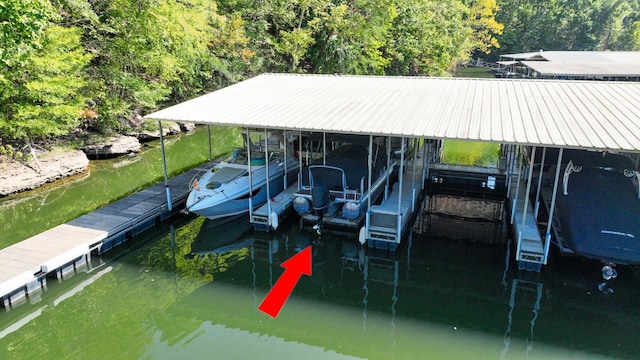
x,y
102,64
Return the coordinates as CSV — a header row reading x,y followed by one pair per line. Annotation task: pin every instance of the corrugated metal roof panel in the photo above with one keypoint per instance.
x,y
600,115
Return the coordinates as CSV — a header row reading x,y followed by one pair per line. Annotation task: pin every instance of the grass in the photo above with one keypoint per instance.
x,y
470,153
473,72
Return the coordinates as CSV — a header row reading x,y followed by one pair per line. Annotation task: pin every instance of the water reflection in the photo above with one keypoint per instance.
x,y
221,236
195,287
457,284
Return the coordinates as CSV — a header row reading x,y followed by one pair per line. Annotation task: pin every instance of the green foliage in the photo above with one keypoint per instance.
x,y
429,37
567,25
147,54
630,39
47,97
21,24
350,37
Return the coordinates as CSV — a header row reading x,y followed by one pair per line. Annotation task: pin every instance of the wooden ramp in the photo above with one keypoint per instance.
x,y
24,266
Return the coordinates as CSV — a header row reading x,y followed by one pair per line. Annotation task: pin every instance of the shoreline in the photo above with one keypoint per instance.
x,y
18,176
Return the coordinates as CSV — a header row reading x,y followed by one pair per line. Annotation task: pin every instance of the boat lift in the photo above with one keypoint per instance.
x,y
386,223
532,250
268,216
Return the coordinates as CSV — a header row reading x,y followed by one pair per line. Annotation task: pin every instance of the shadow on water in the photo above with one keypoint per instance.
x,y
192,288
455,283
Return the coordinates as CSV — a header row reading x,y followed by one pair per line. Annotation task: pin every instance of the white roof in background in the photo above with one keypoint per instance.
x,y
507,62
521,56
597,115
596,69
579,56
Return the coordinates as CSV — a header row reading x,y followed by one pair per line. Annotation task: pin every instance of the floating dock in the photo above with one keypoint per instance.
x,y
62,250
530,253
389,221
280,205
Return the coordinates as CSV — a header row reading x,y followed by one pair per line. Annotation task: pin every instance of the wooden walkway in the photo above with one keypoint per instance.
x,y
24,266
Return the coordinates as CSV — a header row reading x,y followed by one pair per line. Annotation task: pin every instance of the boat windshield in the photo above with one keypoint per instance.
x,y
239,157
224,175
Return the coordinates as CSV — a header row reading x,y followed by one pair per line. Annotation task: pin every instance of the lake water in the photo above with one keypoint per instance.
x,y
190,290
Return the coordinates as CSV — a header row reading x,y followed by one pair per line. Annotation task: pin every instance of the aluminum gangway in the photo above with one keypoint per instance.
x,y
386,223
532,248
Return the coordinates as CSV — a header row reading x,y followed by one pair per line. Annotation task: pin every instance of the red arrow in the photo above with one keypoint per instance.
x,y
297,265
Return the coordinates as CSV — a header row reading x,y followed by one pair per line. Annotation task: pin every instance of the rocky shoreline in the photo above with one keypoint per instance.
x,y
18,176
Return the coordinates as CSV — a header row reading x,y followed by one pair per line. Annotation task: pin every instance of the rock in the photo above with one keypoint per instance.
x,y
114,146
21,176
149,130
187,127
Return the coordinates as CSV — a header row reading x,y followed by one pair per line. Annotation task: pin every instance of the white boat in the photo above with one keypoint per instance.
x,y
226,189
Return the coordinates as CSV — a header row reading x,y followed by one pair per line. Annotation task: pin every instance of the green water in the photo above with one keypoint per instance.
x,y
32,212
440,298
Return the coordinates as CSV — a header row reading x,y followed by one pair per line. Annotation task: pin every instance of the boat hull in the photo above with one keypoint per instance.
x,y
241,204
227,189
602,222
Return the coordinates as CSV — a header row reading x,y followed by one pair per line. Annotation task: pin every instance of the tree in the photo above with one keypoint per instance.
x,y
148,53
429,37
350,38
630,39
531,25
22,22
482,19
47,96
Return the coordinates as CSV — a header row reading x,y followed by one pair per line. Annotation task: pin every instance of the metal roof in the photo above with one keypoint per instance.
x,y
598,69
578,56
596,115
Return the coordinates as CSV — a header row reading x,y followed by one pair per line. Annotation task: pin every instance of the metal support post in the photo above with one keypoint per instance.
x,y
267,184
552,207
400,180
164,168
250,175
209,141
537,206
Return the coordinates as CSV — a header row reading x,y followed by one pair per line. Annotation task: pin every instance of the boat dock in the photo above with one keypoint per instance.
x,y
62,250
530,253
388,221
280,205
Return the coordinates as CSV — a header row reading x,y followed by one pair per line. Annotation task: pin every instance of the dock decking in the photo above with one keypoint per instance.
x,y
387,222
530,253
280,205
24,266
